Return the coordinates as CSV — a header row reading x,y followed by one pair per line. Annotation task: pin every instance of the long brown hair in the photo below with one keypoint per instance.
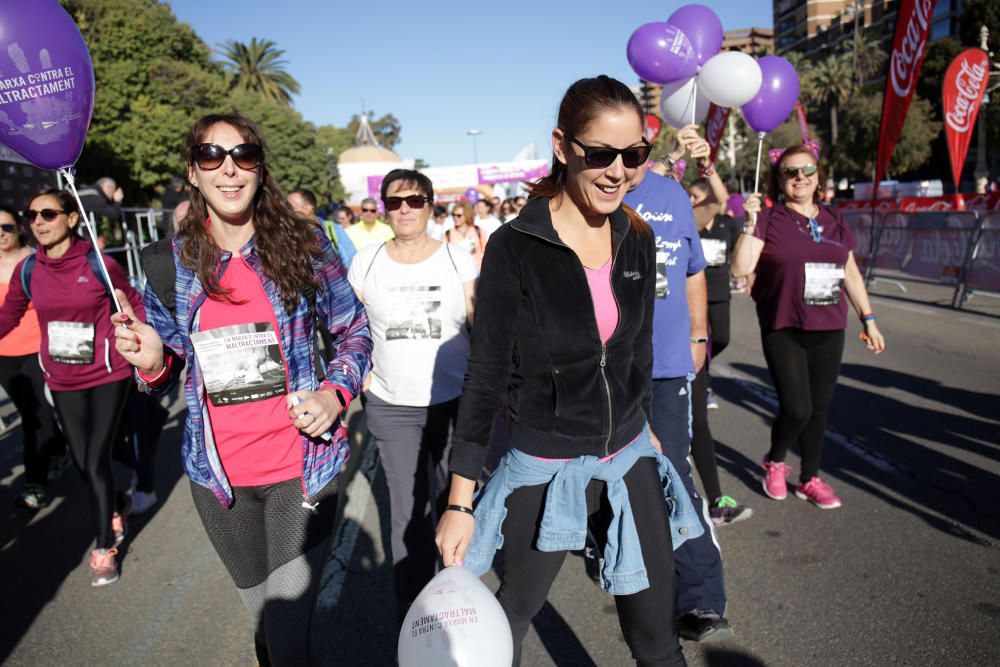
x,y
584,101
286,246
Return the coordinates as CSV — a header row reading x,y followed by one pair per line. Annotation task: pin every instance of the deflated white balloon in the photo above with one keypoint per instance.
x,y
455,622
730,79
675,103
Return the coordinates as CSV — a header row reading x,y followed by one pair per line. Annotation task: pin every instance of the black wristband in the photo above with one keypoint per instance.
x,y
461,508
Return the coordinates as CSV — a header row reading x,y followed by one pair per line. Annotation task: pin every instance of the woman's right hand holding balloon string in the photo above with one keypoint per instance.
x,y
136,341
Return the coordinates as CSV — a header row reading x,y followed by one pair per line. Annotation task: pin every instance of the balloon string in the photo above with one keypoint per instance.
x,y
694,101
71,181
760,146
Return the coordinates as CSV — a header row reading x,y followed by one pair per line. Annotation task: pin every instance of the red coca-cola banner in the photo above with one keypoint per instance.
x,y
908,49
964,86
800,115
653,127
943,203
715,126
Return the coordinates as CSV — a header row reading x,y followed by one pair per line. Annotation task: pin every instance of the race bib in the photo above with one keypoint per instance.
x,y
823,284
414,312
71,342
662,287
715,251
240,363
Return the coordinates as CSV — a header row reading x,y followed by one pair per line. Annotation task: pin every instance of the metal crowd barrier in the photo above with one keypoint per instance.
x,y
960,248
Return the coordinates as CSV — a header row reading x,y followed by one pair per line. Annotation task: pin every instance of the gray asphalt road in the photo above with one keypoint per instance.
x,y
907,572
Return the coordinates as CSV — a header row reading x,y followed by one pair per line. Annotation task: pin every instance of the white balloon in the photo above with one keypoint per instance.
x,y
455,622
730,79
675,103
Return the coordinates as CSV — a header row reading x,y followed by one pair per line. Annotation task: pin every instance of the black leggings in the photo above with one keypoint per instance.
x,y
90,419
21,378
718,326
804,366
702,443
647,617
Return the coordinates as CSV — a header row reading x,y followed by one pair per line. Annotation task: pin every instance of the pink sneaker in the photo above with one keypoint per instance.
x,y
818,493
775,484
103,566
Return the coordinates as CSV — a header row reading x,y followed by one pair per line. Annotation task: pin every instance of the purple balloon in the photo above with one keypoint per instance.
x,y
46,85
472,195
702,27
777,96
660,53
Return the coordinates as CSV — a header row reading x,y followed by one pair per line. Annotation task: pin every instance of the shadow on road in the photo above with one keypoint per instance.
x,y
41,549
889,434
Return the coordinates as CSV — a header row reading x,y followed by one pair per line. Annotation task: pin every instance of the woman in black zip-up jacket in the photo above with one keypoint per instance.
x,y
563,332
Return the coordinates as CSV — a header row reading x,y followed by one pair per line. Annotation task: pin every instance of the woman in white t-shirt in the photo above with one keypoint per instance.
x,y
419,295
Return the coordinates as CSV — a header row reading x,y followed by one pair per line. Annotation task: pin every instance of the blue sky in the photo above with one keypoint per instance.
x,y
444,67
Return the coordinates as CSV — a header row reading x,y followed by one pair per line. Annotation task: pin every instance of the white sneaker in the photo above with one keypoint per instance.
x,y
142,502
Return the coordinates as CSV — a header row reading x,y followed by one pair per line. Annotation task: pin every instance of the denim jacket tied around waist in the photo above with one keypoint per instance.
x,y
564,522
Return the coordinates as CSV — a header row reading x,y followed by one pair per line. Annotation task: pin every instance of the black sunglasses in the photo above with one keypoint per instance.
x,y
48,214
8,228
369,210
211,156
807,171
600,157
413,201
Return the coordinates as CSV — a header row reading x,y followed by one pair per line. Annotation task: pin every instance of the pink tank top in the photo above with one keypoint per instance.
x,y
605,306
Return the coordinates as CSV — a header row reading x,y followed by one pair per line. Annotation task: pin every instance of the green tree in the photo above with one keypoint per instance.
x,y
856,151
831,83
258,67
153,77
386,129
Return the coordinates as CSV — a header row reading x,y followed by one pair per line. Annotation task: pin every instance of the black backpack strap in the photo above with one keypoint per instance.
x,y
161,273
95,268
27,268
447,246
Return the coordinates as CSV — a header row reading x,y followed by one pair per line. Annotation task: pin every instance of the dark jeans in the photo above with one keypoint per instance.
x,y
698,562
804,366
140,431
413,445
90,419
21,378
647,618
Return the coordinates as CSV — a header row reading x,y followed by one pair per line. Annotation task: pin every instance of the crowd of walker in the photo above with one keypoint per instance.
x,y
535,372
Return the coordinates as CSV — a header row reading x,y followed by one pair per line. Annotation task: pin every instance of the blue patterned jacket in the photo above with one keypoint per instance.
x,y
336,305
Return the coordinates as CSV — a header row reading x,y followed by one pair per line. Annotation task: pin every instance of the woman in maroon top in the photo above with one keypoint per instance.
x,y
803,256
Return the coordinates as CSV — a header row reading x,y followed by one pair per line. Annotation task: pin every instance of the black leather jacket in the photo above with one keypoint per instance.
x,y
535,342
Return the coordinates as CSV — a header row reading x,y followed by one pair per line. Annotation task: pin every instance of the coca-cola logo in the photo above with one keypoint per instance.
x,y
908,53
968,91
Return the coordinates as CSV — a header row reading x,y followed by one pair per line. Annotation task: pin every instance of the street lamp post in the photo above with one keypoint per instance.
x,y
982,171
474,133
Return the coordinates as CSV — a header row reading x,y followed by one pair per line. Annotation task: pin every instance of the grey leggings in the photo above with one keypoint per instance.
x,y
274,549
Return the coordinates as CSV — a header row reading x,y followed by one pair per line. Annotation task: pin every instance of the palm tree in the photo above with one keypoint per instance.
x,y
869,56
257,67
831,83
804,69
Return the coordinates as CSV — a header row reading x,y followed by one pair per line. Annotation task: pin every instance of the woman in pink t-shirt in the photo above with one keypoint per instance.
x,y
250,285
803,254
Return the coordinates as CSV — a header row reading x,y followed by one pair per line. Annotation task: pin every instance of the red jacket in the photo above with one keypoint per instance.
x,y
66,290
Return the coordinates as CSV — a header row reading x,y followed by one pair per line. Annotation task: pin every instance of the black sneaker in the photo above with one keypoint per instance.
x,y
704,626
726,510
